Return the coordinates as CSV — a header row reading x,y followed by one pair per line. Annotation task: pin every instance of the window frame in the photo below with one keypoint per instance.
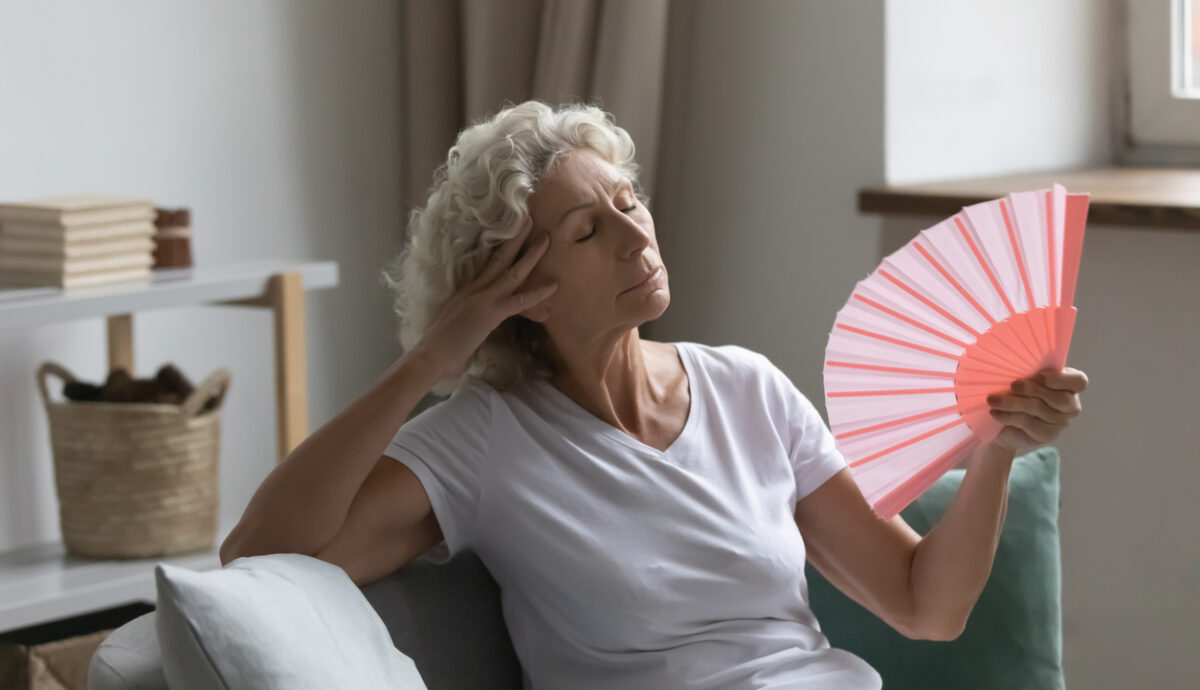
x,y
1152,125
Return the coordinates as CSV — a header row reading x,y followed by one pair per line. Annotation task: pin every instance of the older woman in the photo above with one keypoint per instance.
x,y
646,507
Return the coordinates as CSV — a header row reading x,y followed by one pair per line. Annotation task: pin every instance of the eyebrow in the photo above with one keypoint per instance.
x,y
616,184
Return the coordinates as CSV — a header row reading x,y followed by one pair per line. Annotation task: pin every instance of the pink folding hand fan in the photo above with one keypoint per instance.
x,y
968,306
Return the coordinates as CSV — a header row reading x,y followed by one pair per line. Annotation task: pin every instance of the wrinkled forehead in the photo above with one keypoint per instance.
x,y
575,177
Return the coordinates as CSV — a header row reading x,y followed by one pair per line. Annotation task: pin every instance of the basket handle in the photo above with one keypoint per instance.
x,y
214,386
51,368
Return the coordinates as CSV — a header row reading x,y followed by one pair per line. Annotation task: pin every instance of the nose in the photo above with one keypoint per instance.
x,y
634,235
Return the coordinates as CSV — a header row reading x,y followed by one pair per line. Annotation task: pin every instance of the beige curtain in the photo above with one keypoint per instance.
x,y
463,58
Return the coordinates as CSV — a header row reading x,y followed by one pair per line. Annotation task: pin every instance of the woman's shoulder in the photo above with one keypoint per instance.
x,y
471,401
734,368
745,371
736,359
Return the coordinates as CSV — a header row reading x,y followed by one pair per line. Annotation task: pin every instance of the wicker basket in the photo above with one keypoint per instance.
x,y
136,480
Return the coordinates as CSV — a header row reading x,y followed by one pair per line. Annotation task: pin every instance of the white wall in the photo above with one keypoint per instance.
x,y
277,123
780,118
976,89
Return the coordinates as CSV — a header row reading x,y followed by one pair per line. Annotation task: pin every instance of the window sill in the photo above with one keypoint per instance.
x,y
1138,197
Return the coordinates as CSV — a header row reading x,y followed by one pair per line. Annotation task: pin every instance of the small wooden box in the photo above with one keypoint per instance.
x,y
173,238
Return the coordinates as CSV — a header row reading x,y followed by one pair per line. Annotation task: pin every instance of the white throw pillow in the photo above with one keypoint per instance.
x,y
282,620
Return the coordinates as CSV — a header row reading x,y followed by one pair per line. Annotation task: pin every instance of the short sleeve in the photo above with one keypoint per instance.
x,y
445,445
811,447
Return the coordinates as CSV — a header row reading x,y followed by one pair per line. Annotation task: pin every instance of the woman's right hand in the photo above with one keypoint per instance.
x,y
478,307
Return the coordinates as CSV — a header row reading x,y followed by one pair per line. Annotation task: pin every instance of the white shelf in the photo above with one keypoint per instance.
x,y
42,583
26,307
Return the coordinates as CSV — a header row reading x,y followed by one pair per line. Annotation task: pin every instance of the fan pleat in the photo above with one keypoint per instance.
x,y
969,305
898,341
991,276
938,309
911,321
955,284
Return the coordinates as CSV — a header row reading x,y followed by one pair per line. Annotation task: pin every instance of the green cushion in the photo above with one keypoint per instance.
x,y
1013,638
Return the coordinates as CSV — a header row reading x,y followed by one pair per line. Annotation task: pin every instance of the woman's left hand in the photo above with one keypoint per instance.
x,y
1038,408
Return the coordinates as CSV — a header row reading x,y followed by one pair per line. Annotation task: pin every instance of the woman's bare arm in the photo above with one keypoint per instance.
x,y
302,503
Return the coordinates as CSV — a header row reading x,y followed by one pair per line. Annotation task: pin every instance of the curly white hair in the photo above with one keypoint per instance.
x,y
478,200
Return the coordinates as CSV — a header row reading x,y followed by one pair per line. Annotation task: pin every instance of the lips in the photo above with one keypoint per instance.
x,y
644,278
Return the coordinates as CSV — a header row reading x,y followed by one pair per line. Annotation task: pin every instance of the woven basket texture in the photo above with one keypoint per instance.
x,y
136,480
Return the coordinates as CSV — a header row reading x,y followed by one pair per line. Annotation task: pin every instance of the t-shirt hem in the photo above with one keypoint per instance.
x,y
817,476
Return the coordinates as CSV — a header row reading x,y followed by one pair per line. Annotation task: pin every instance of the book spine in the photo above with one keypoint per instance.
x,y
11,278
37,249
72,266
77,234
76,218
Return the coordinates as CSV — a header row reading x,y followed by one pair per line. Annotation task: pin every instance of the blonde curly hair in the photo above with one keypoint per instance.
x,y
478,200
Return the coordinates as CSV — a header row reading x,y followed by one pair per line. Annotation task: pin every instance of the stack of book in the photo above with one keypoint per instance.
x,y
76,241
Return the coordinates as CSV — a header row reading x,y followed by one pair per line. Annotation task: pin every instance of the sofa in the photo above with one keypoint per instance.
x,y
441,613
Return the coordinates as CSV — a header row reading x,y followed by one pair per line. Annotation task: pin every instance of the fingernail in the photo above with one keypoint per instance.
x,y
1018,386
993,399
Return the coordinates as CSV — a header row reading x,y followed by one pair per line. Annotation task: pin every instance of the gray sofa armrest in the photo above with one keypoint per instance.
x,y
448,619
129,658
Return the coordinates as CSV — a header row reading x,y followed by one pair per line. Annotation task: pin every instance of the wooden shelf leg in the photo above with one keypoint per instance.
x,y
291,368
120,343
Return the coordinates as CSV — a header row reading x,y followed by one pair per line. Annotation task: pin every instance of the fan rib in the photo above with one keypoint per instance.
x,y
1072,245
897,341
891,391
906,443
910,320
988,370
983,264
1029,334
991,347
1012,240
929,303
947,276
903,420
1007,327
895,370
1054,296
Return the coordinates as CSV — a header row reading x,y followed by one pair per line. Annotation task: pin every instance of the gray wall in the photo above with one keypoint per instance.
x,y
277,124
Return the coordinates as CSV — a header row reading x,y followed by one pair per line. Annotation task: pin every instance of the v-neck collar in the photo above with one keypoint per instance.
x,y
695,412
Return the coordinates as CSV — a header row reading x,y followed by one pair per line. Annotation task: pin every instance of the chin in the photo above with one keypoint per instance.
x,y
654,305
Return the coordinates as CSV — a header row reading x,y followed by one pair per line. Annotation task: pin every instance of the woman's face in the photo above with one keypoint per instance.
x,y
602,243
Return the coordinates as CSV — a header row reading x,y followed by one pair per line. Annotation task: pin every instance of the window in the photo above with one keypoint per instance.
x,y
1189,54
1164,73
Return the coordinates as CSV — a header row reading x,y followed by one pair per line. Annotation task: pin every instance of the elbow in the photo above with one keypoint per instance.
x,y
234,546
949,635
227,552
917,626
935,632
246,541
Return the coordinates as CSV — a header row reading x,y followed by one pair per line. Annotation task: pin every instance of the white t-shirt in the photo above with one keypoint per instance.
x,y
623,566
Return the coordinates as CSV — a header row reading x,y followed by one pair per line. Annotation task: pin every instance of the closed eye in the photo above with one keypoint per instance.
x,y
593,232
